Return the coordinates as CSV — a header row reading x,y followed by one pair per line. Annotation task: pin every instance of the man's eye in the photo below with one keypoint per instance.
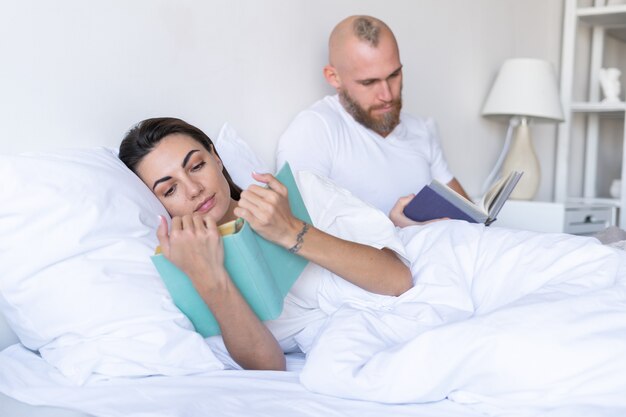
x,y
198,166
170,191
367,83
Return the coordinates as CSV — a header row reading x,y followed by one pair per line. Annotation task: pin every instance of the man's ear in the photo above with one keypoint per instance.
x,y
332,77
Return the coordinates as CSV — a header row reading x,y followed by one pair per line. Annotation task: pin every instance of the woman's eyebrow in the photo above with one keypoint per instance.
x,y
189,156
157,182
185,161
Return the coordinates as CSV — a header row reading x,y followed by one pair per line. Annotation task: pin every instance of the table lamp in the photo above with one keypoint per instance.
x,y
525,90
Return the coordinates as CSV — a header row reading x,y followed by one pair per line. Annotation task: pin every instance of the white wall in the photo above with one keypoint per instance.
x,y
80,73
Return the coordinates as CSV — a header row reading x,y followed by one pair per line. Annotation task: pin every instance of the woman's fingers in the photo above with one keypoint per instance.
x,y
190,227
199,224
163,236
188,223
261,204
271,181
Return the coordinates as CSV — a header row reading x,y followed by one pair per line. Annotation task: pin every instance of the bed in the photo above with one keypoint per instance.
x,y
92,330
221,393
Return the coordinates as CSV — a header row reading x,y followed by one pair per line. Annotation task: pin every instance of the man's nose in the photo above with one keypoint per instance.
x,y
384,92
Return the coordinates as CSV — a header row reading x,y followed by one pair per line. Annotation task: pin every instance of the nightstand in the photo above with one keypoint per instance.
x,y
577,218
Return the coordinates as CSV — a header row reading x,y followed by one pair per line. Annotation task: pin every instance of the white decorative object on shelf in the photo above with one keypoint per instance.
x,y
610,83
616,188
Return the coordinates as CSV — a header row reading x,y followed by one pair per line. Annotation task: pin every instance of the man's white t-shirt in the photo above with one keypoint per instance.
x,y
325,139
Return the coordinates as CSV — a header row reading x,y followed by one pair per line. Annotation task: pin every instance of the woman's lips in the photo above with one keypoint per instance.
x,y
206,205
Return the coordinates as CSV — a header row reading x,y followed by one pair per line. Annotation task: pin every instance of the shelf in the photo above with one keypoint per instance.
x,y
615,202
598,107
599,23
607,16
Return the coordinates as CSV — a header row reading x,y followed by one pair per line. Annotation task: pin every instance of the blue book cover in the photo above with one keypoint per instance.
x,y
437,200
428,204
262,271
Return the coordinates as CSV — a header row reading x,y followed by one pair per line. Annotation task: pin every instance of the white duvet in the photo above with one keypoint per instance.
x,y
500,322
496,318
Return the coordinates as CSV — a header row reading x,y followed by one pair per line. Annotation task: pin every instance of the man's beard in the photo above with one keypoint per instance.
x,y
383,125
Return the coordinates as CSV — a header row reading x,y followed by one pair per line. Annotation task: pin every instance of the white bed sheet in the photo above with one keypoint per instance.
x,y
26,377
10,407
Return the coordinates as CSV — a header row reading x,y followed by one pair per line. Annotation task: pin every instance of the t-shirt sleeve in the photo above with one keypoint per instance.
x,y
338,212
306,145
438,164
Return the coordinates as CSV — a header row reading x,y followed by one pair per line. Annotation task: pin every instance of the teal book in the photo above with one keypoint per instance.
x,y
262,271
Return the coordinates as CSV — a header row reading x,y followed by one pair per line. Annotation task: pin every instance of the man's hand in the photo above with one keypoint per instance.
x,y
397,213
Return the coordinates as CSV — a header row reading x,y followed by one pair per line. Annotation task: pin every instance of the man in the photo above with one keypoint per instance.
x,y
359,138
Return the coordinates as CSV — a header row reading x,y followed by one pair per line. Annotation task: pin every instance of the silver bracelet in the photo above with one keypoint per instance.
x,y
300,238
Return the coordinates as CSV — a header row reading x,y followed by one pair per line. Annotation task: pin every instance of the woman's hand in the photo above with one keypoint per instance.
x,y
195,246
397,213
267,210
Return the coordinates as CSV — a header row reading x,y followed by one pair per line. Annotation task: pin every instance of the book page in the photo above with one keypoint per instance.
x,y
459,201
230,227
492,193
501,192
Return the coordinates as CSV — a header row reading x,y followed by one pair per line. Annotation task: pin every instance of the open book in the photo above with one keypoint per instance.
x,y
262,271
437,200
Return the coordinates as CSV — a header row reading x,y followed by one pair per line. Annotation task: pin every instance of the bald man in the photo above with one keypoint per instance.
x,y
360,138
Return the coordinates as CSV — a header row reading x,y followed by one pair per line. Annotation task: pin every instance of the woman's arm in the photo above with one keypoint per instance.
x,y
194,245
376,270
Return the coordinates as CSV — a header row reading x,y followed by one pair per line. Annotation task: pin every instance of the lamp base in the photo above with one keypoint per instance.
x,y
522,157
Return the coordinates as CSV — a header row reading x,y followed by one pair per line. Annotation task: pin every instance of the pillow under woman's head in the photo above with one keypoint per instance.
x,y
77,229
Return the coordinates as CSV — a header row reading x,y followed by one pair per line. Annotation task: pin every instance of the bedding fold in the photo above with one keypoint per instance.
x,y
497,317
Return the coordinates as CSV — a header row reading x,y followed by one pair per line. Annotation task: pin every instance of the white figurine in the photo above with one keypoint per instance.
x,y
610,83
616,188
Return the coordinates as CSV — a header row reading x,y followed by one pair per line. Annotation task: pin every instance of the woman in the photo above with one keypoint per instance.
x,y
178,162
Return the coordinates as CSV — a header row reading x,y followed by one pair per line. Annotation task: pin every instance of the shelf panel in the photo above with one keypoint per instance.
x,y
606,16
598,107
615,202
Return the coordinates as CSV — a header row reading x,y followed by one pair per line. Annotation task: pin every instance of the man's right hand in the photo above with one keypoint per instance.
x,y
397,213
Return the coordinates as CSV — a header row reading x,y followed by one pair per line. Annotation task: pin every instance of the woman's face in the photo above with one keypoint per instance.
x,y
187,178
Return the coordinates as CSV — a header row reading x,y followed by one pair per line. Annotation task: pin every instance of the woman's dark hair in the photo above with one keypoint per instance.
x,y
142,138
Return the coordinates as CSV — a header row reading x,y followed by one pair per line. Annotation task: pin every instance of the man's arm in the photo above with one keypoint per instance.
x,y
456,186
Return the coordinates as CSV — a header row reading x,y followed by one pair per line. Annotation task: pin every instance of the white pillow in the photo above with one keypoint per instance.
x,y
237,156
76,281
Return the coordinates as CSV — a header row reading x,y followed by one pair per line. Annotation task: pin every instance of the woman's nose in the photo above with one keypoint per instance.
x,y
195,189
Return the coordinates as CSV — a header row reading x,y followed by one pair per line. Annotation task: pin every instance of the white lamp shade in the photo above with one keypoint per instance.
x,y
525,87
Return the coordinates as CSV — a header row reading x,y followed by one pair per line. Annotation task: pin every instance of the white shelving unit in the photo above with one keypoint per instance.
x,y
605,20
